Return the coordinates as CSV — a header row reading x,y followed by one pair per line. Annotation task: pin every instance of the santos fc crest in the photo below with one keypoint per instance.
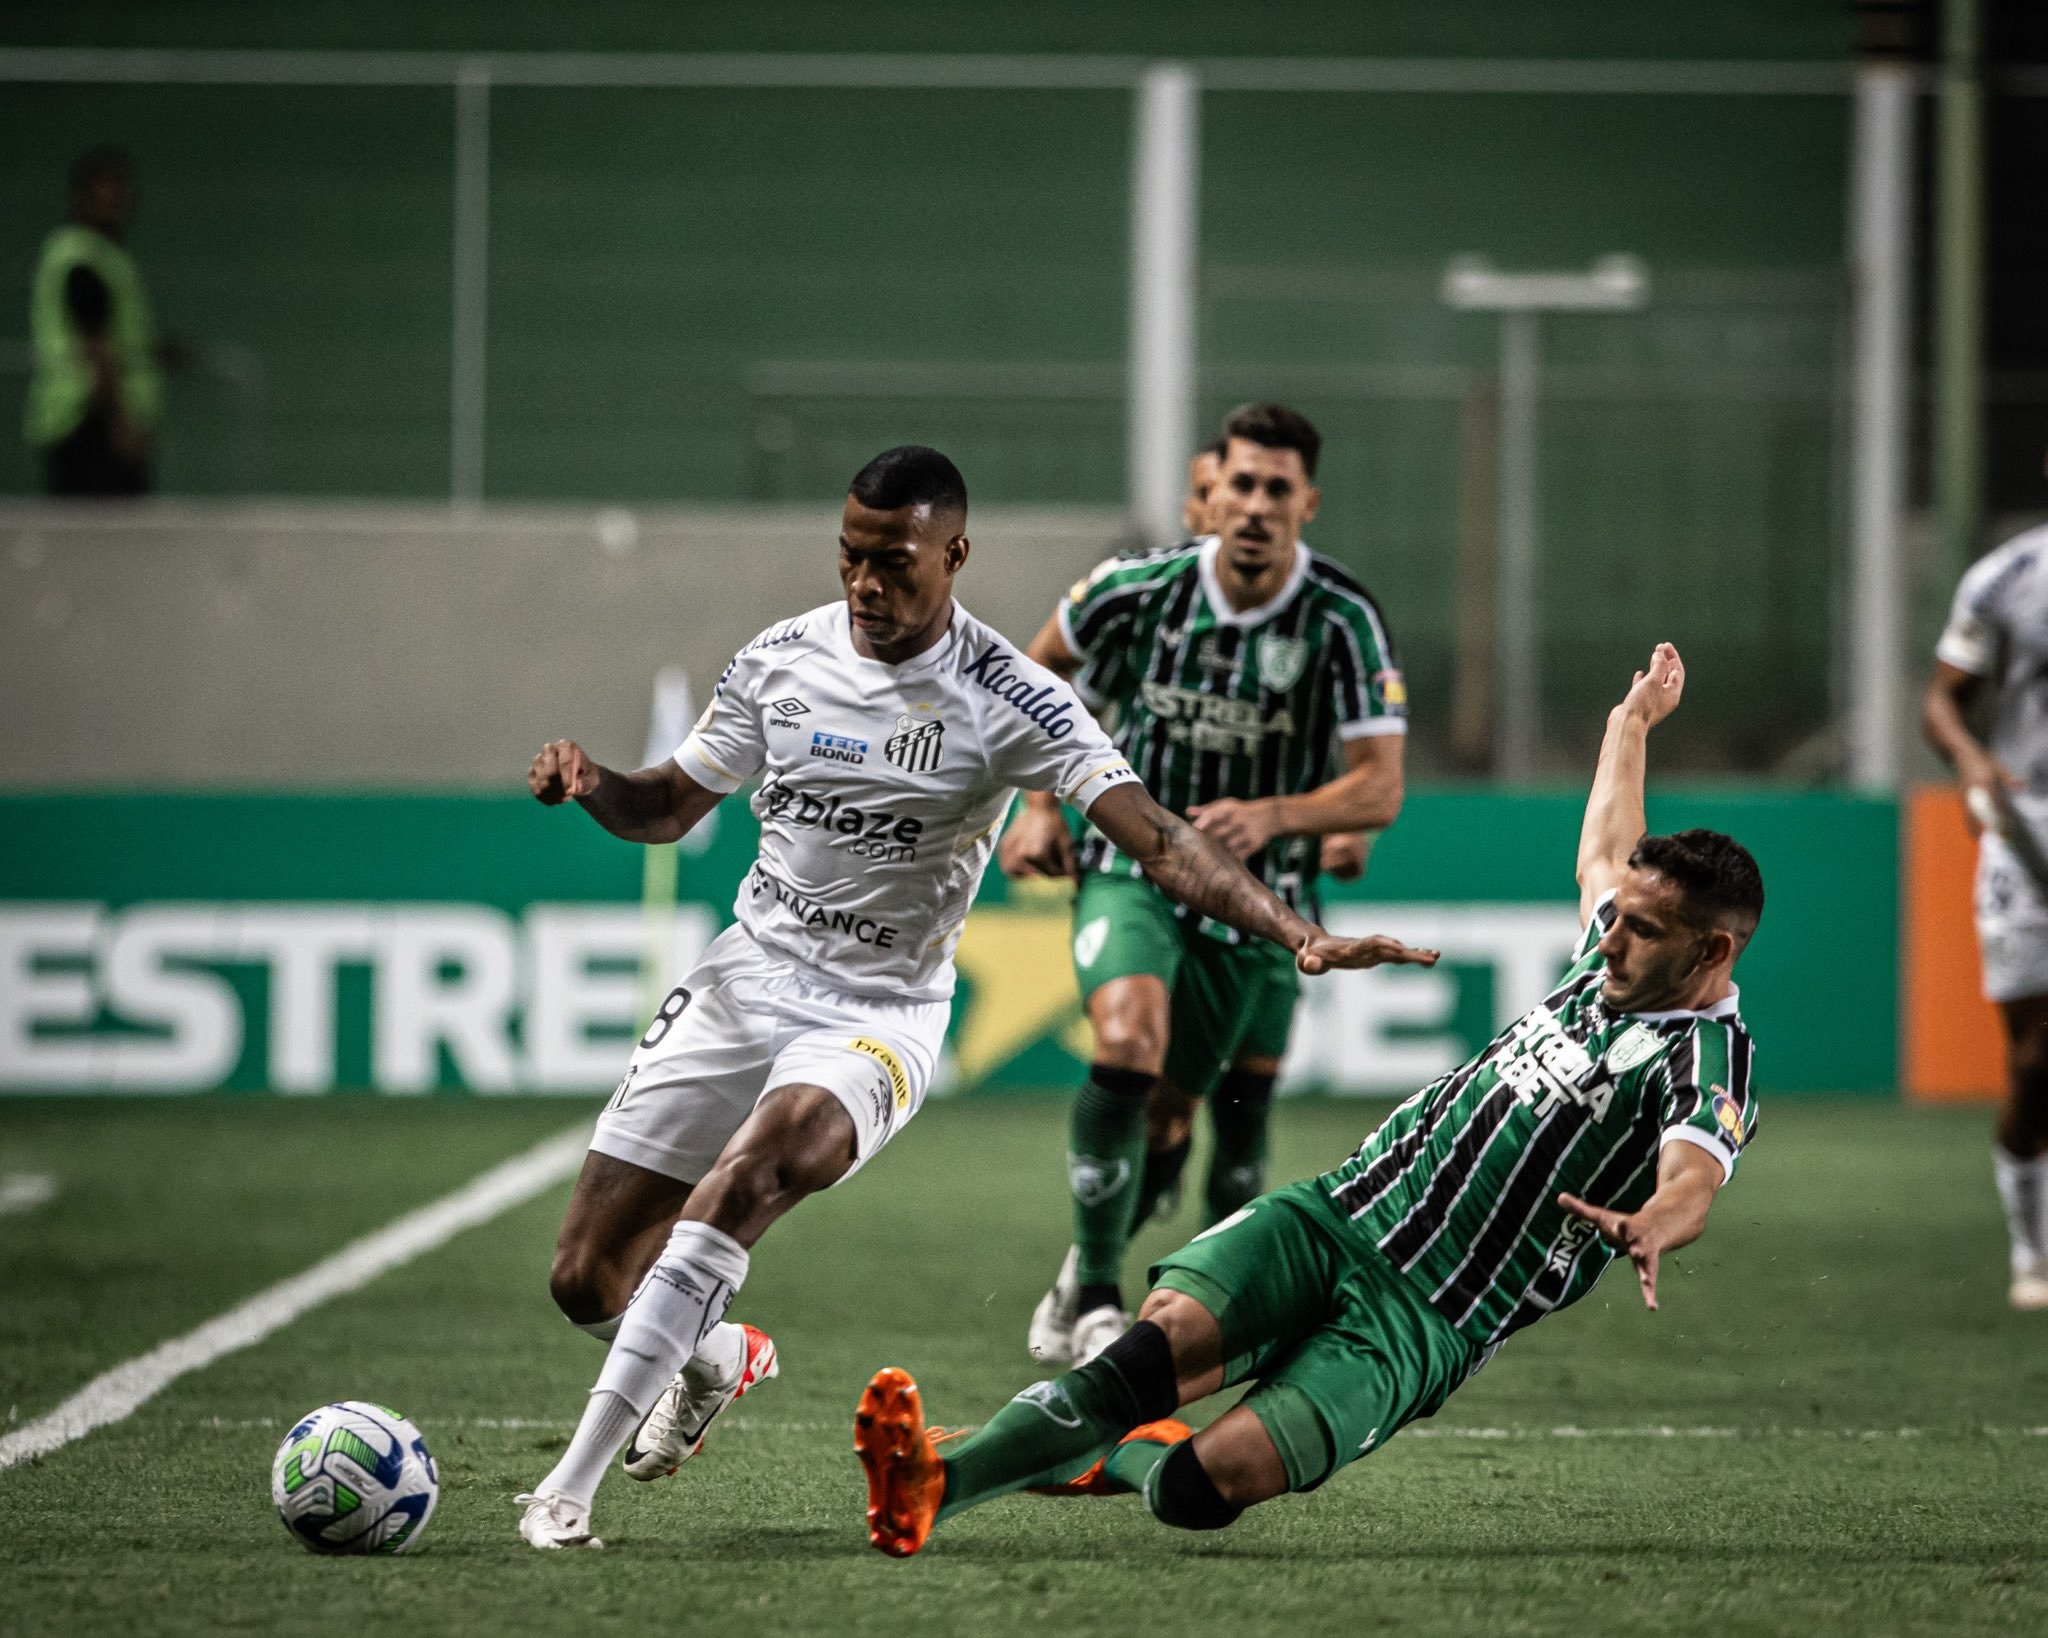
x,y
914,746
1281,660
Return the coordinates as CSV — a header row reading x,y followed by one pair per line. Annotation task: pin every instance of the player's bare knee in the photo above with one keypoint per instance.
x,y
583,1287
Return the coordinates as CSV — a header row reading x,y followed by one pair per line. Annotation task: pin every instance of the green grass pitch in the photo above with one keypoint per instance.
x,y
1858,1429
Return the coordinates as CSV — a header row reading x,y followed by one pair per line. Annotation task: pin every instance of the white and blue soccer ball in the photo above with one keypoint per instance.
x,y
355,1477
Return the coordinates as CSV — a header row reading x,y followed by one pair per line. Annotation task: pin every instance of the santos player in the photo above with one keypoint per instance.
x,y
888,731
1604,1120
1996,644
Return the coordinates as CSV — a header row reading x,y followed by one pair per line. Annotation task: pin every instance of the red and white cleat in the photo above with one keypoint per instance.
x,y
674,1430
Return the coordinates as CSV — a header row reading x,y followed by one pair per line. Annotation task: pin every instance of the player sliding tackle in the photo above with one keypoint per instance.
x,y
888,731
1602,1122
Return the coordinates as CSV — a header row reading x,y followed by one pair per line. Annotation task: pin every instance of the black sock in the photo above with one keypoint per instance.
x,y
1097,1296
1182,1494
1161,1178
1240,1110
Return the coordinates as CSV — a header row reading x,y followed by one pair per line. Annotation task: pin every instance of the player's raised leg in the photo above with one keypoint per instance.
x,y
799,1140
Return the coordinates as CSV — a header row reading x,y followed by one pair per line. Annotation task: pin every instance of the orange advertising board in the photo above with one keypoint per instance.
x,y
1955,1050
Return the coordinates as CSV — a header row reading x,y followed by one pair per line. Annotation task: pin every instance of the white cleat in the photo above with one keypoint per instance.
x,y
552,1521
1050,1340
1096,1330
674,1430
2029,1291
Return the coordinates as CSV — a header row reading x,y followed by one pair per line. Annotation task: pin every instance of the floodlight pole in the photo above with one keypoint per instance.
x,y
1165,187
1614,284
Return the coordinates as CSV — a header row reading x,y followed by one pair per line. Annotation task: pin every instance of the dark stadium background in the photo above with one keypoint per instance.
x,y
304,678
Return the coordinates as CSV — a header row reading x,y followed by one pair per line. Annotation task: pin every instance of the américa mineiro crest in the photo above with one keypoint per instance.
x,y
1281,660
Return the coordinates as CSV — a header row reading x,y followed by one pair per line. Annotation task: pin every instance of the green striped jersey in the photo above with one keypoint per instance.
x,y
1459,1185
1213,702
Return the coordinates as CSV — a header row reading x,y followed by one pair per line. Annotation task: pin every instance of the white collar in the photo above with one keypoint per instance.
x,y
1259,614
1726,1007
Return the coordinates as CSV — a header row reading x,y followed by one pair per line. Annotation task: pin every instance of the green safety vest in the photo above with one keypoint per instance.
x,y
60,389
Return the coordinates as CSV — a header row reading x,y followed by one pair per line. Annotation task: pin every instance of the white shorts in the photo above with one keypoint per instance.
x,y
2012,924
743,1021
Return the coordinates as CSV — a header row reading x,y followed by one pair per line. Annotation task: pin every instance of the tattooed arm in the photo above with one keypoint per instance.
x,y
1191,869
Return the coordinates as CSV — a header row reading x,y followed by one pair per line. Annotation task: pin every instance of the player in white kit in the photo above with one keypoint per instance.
x,y
1996,644
888,732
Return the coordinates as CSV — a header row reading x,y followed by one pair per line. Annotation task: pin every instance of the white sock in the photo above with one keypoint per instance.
x,y
719,1358
2021,1185
603,1330
687,1291
608,1422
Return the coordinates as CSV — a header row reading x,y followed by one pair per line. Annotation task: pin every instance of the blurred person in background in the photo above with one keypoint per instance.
x,y
96,390
1994,652
1255,689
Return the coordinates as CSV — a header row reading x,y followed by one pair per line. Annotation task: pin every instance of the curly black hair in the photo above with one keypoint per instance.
x,y
1716,873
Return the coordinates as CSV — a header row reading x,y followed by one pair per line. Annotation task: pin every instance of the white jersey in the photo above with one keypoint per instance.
x,y
1998,630
883,787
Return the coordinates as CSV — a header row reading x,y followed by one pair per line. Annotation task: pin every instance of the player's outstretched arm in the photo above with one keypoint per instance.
x,y
657,804
1614,820
1687,1180
1192,870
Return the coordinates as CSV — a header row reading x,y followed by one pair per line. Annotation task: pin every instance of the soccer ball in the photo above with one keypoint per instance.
x,y
355,1478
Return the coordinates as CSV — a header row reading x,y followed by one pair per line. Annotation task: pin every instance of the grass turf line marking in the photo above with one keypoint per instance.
x,y
120,1392
24,1191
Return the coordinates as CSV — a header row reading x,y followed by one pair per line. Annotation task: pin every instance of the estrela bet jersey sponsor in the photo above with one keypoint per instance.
x,y
1459,1186
1212,702
883,786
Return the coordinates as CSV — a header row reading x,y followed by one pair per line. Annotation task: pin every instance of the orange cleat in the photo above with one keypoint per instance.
x,y
906,1479
1097,1482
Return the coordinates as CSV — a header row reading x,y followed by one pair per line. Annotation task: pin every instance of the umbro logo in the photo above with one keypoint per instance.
x,y
787,711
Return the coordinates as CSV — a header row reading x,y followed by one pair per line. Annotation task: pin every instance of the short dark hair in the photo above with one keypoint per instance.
x,y
910,475
1275,426
1716,873
97,164
1219,446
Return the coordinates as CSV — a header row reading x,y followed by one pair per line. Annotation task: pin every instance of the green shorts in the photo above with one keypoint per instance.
x,y
1228,1000
1343,1346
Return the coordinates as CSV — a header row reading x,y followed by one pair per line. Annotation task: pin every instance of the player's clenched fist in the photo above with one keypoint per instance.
x,y
1037,843
561,771
1321,951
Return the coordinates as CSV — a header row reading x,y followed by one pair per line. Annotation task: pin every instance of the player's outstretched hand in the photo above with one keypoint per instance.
x,y
1037,843
1654,694
1320,952
562,770
1625,1234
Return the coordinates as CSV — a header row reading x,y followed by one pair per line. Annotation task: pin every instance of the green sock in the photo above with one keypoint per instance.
x,y
1105,1150
1240,1111
1132,1462
1161,1179
1050,1433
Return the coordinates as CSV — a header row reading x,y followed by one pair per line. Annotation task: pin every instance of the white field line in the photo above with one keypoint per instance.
x,y
24,1191
119,1392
